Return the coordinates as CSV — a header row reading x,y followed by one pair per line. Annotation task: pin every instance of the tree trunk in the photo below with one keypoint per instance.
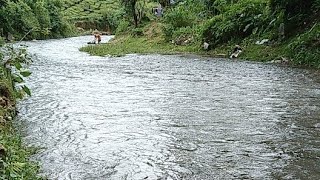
x,y
133,9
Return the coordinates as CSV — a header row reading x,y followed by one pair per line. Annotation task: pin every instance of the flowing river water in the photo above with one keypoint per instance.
x,y
169,116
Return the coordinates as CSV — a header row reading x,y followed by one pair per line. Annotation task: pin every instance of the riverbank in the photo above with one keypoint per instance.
x,y
127,44
14,155
152,41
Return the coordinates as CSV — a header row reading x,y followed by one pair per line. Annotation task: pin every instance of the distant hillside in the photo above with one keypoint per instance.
x,y
92,14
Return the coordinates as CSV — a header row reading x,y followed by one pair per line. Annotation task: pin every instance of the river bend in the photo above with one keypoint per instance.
x,y
169,116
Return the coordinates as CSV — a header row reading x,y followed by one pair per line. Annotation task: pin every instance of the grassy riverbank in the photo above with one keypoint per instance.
x,y
127,44
15,162
153,41
14,155
267,30
299,50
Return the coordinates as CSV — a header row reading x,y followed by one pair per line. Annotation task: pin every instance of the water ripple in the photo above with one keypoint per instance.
x,y
169,117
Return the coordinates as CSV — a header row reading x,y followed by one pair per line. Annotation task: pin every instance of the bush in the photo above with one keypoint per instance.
x,y
179,17
42,14
112,20
137,32
123,26
67,29
168,32
305,49
238,21
181,20
21,19
34,18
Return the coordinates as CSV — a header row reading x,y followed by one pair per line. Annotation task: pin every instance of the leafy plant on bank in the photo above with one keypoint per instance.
x,y
182,20
14,68
14,156
15,163
305,48
240,20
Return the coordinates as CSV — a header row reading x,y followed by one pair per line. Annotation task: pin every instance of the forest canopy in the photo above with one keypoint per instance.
x,y
34,18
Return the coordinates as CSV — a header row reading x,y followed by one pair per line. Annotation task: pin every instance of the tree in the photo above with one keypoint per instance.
x,y
130,8
296,13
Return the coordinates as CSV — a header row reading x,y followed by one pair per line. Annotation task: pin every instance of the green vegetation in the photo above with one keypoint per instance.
x,y
290,28
92,14
142,45
15,162
14,156
126,44
149,41
33,19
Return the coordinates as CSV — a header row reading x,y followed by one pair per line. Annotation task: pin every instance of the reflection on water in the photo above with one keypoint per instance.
x,y
169,117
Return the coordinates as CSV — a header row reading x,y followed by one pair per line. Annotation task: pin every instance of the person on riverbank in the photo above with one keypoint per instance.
x,y
97,37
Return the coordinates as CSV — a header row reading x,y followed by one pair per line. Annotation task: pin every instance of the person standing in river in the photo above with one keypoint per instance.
x,y
97,37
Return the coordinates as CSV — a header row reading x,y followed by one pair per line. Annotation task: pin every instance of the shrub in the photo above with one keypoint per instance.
x,y
33,18
66,28
42,14
238,21
179,17
123,26
168,30
21,19
137,32
305,49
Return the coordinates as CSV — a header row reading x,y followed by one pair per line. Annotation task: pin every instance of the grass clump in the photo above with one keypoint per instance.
x,y
14,161
14,156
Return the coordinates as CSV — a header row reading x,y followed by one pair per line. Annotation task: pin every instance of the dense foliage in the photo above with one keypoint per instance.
x,y
33,19
217,22
290,27
92,14
14,156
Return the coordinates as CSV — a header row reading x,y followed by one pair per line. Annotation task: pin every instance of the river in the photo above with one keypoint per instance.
x,y
169,116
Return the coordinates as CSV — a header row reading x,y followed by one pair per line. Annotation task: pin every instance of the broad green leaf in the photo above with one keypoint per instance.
x,y
17,78
17,65
27,90
25,73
